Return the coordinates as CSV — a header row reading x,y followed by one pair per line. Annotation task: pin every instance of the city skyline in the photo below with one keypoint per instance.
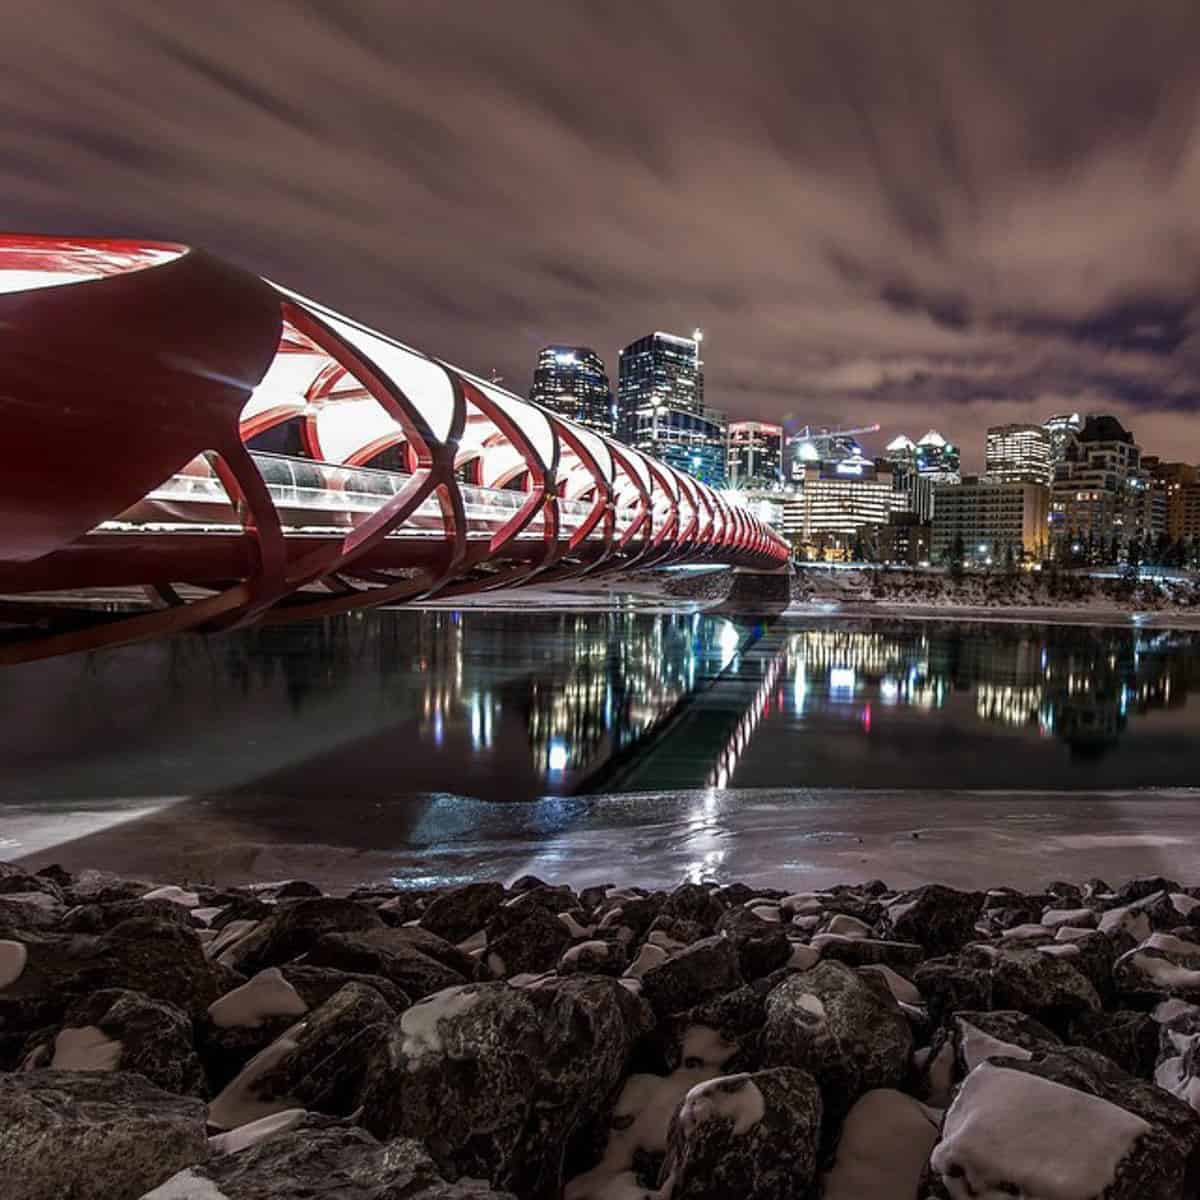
x,y
993,218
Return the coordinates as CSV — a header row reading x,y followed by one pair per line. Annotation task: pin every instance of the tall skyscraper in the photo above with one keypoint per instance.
x,y
660,405
1018,454
755,457
571,381
938,459
1062,428
1099,488
913,492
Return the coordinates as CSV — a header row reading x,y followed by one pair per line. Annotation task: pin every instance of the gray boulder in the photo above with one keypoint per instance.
x,y
295,927
753,1136
457,914
319,1063
496,1080
322,1159
385,953
690,976
132,1033
843,1028
530,946
91,1135
941,919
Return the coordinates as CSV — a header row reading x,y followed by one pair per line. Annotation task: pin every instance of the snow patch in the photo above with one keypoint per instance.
x,y
812,1004
733,1098
1162,972
228,938
85,1048
902,989
850,927
477,941
978,1046
574,928
1130,918
1061,950
664,941
13,957
649,956
640,1122
495,965
1071,933
1184,903
767,912
1008,1130
186,1185
803,957
1168,943
593,949
245,1136
175,894
1167,1010
207,915
264,995
1052,918
419,1024
900,908
238,1104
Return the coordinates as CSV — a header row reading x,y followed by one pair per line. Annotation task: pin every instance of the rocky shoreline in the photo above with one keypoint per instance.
x,y
715,1041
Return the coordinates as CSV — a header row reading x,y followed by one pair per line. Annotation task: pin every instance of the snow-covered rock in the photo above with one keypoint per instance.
x,y
753,1136
847,1031
266,995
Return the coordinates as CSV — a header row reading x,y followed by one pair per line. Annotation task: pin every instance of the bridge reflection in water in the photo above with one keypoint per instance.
x,y
371,731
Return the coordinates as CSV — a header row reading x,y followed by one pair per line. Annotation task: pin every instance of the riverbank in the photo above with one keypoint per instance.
x,y
162,1039
794,838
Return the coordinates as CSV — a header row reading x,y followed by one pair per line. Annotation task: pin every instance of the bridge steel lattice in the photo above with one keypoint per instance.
x,y
171,423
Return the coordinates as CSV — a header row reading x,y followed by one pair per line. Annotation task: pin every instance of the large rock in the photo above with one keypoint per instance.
x,y
457,914
846,1030
99,918
321,1160
949,984
1128,1037
940,918
126,1031
753,1136
157,958
694,902
762,946
1047,988
319,1063
386,953
532,945
91,1135
1058,1127
296,926
882,1148
1163,965
495,1080
706,968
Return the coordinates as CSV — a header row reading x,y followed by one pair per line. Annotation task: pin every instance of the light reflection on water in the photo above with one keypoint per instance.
x,y
510,706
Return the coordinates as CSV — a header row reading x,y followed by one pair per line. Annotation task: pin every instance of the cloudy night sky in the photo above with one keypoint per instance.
x,y
944,213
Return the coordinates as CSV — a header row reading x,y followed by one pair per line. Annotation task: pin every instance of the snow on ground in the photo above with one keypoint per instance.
x,y
1008,1133
265,995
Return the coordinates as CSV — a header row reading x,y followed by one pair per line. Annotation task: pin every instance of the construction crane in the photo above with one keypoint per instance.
x,y
813,445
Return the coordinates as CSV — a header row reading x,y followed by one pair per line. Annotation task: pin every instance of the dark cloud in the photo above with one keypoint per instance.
x,y
940,212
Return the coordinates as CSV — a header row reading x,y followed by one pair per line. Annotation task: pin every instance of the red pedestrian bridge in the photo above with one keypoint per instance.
x,y
238,453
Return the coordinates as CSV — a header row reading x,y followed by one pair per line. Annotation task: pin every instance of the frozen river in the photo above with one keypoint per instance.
x,y
440,744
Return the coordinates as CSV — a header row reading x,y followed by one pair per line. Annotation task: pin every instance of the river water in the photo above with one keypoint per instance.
x,y
343,731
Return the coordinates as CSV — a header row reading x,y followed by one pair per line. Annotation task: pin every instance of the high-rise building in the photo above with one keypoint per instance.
x,y
1098,492
1179,484
932,457
755,456
660,405
837,503
1018,454
571,381
938,459
913,490
1062,429
904,540
989,521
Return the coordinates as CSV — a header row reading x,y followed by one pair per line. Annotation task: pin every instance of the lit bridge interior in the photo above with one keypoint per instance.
x,y
239,453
